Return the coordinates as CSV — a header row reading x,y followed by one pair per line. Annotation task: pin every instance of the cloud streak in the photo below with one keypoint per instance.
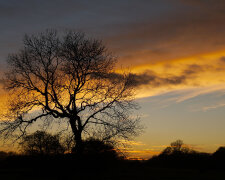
x,y
155,80
195,76
207,108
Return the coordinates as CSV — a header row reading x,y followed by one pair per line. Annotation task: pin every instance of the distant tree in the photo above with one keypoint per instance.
x,y
220,150
179,155
4,154
220,153
177,147
70,78
42,143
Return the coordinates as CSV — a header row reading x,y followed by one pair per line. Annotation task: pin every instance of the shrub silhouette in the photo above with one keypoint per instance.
x,y
179,155
4,155
97,148
219,157
220,153
41,143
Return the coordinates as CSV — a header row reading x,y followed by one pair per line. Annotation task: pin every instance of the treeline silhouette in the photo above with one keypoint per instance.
x,y
178,155
45,155
100,159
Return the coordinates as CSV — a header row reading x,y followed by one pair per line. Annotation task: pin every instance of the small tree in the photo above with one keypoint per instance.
x,y
42,143
71,78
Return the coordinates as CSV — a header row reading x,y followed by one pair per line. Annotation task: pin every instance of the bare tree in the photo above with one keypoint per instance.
x,y
70,78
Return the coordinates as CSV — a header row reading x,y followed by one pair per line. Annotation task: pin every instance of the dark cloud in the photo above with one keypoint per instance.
x,y
222,59
1,82
149,78
156,80
152,79
193,69
188,76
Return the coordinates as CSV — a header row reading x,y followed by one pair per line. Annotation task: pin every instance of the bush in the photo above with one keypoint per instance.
x,y
42,143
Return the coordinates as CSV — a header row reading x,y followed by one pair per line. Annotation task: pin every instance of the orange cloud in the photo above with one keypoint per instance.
x,y
193,73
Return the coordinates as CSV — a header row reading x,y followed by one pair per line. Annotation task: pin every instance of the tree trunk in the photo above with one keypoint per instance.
x,y
78,149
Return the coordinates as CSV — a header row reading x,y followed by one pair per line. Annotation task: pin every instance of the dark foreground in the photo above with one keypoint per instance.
x,y
136,173
70,167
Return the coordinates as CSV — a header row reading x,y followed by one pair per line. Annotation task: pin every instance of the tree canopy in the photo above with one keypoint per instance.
x,y
69,78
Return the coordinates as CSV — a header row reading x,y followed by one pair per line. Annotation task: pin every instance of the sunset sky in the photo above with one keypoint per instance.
x,y
174,48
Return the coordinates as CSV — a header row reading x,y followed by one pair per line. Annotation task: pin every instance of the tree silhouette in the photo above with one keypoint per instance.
x,y
71,78
177,147
219,155
42,143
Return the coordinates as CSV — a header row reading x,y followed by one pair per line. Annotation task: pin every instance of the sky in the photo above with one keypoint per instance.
x,y
175,50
